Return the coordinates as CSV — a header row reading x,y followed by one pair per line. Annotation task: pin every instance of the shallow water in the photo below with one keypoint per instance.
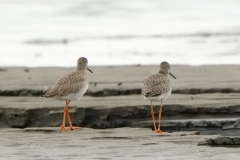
x,y
56,33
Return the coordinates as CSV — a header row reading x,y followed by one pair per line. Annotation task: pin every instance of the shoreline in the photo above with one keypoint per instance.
x,y
117,117
114,98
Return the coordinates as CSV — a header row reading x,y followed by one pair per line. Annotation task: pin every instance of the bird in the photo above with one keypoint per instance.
x,y
71,86
157,87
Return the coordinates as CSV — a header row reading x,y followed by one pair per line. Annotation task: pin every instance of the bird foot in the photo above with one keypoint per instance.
x,y
63,128
74,128
158,131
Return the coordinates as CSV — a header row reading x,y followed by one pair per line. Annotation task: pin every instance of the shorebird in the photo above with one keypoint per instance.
x,y
157,88
70,87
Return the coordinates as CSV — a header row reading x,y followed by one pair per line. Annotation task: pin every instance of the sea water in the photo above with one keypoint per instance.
x,y
37,33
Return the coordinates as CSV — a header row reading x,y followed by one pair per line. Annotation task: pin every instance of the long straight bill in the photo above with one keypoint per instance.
x,y
90,70
172,75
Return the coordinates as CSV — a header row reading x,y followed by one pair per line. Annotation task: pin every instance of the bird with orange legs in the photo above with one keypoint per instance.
x,y
157,87
70,87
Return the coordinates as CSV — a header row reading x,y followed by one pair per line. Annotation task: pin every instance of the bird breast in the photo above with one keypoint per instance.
x,y
161,97
74,96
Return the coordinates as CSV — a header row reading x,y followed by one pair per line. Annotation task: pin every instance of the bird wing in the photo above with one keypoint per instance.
x,y
70,83
155,85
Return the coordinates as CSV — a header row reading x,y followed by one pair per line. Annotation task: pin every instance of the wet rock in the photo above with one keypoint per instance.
x,y
101,124
3,70
175,117
221,141
201,91
16,118
234,125
21,92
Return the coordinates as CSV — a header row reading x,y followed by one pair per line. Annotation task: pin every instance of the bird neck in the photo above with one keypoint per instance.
x,y
163,72
80,67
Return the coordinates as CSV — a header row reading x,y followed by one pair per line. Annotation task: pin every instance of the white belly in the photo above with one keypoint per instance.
x,y
75,96
161,97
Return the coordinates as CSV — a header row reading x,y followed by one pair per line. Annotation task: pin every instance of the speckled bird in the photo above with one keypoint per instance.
x,y
157,87
70,87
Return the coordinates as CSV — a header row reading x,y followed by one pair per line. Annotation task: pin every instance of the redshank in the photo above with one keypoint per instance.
x,y
70,87
157,87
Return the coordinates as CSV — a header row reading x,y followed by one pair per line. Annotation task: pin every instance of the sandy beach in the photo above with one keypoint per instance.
x,y
116,119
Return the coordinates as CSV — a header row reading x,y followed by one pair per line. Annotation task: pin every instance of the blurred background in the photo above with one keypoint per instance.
x,y
36,33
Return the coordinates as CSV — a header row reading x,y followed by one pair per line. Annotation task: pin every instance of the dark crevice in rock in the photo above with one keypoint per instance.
x,y
202,91
113,92
118,92
21,92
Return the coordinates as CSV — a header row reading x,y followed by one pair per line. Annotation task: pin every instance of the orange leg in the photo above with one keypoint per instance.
x,y
65,110
69,120
159,119
153,117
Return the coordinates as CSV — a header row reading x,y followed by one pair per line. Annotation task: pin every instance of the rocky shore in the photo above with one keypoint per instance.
x,y
117,143
204,99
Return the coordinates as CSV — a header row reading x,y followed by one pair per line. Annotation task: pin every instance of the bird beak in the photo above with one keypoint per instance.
x,y
172,75
90,70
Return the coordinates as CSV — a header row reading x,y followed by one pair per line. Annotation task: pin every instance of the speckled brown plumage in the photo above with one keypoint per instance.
x,y
158,84
157,87
72,86
69,84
